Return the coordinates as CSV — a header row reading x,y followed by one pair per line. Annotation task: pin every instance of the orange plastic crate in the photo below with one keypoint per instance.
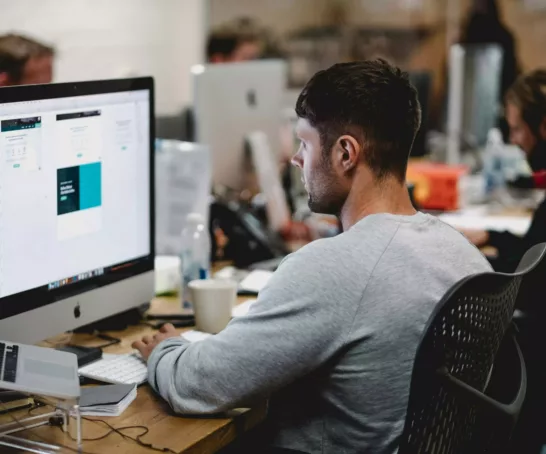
x,y
436,185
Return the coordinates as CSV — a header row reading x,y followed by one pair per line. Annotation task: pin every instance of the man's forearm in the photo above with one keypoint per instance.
x,y
163,376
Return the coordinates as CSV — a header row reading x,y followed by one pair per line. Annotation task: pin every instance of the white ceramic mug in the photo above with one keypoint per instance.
x,y
213,300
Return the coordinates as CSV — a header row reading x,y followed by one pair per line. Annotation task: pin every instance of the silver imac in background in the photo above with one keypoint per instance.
x,y
473,96
76,204
231,102
239,116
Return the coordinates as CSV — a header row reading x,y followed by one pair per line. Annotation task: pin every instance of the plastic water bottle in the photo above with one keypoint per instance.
x,y
195,254
493,169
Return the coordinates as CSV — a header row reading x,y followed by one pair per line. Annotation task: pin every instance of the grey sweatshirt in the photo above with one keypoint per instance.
x,y
331,339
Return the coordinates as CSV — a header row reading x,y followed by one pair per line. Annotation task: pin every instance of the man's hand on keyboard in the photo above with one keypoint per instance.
x,y
148,343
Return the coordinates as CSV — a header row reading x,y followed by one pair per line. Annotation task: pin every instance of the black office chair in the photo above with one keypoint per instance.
x,y
459,403
530,318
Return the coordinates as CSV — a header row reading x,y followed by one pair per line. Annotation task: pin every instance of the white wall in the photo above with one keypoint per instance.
x,y
97,39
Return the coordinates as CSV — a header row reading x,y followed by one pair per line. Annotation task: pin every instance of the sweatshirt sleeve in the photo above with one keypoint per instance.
x,y
294,327
505,242
513,247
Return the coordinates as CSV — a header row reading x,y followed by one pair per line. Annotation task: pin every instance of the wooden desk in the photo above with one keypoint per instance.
x,y
181,434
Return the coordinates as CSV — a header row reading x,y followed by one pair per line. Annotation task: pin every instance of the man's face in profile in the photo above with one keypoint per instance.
x,y
321,182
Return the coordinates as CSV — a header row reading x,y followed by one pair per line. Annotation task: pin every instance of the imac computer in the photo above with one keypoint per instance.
x,y
232,101
238,111
76,204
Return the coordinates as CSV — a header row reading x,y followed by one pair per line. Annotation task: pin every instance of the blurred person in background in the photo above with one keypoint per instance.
x,y
226,44
526,117
484,25
230,45
242,39
24,61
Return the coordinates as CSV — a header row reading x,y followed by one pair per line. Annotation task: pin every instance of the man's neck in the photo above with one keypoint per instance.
x,y
388,197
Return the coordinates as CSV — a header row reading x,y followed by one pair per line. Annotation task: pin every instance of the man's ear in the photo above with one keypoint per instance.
x,y
542,129
348,151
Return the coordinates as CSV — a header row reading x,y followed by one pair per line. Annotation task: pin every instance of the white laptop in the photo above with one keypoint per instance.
x,y
38,370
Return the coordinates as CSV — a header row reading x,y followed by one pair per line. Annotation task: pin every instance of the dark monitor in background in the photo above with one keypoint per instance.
x,y
169,127
422,81
176,127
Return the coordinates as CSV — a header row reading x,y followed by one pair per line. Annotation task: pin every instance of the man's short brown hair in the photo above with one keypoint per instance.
x,y
528,93
372,97
16,50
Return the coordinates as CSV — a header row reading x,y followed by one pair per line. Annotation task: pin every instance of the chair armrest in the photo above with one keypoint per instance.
x,y
510,410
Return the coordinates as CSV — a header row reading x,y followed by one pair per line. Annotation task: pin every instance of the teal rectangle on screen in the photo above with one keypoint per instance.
x,y
90,185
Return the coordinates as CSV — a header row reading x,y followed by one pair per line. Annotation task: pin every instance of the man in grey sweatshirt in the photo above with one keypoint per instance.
x,y
331,339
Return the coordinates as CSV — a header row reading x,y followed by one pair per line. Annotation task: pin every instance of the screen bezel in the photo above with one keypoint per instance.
x,y
28,300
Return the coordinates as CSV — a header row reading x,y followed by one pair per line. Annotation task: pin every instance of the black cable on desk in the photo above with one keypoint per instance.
x,y
119,430
112,429
136,439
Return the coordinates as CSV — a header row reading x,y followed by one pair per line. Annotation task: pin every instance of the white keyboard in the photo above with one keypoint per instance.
x,y
117,369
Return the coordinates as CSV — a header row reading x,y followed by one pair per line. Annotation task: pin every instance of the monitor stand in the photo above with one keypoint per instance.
x,y
265,160
117,322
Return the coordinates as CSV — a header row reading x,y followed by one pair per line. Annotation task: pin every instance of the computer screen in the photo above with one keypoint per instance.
x,y
75,204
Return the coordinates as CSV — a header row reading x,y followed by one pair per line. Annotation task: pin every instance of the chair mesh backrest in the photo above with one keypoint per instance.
x,y
463,335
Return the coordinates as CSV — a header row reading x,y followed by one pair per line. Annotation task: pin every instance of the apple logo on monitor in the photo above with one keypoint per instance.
x,y
251,98
77,311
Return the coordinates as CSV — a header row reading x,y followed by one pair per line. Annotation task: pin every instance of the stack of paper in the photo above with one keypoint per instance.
x,y
255,281
194,336
108,400
513,224
242,309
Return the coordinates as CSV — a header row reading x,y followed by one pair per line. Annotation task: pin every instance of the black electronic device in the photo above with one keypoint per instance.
x,y
248,239
85,355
